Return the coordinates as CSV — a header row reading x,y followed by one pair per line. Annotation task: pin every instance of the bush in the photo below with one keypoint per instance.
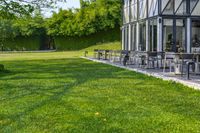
x,y
78,43
22,43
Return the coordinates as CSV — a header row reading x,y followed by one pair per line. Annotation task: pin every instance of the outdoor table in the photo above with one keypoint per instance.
x,y
197,63
178,68
148,56
103,54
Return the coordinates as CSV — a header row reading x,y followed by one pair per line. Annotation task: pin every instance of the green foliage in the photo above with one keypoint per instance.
x,y
78,43
22,43
30,26
6,31
77,28
10,9
95,17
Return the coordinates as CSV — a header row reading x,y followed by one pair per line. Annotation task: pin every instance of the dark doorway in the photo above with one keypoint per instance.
x,y
47,43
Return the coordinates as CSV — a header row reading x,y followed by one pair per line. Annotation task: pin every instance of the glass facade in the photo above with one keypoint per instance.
x,y
195,33
152,33
168,40
142,9
152,8
142,37
134,10
162,25
126,11
180,39
133,37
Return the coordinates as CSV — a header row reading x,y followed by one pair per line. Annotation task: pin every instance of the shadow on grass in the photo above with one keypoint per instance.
x,y
63,75
79,70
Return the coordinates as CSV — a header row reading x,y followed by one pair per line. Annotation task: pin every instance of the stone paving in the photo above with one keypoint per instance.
x,y
194,81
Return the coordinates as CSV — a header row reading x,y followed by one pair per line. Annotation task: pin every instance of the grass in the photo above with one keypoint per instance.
x,y
59,92
108,46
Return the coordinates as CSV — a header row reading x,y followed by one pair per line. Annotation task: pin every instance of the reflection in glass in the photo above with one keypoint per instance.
x,y
142,9
196,10
193,4
127,38
126,15
153,35
164,4
169,9
180,35
181,8
142,37
195,33
133,37
134,10
168,34
152,8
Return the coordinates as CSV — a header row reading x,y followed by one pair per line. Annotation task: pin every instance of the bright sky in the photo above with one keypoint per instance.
x,y
68,4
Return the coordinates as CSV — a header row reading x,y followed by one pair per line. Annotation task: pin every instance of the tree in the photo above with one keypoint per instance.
x,y
94,16
16,8
29,26
6,30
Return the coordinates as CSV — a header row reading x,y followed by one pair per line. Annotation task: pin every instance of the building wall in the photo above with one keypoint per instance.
x,y
161,25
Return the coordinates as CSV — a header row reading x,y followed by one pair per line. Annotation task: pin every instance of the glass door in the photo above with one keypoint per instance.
x,y
153,35
133,37
174,35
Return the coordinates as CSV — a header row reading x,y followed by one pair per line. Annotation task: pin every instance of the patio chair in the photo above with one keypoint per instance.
x,y
160,58
105,54
95,53
141,59
184,60
133,57
110,54
151,59
169,60
115,56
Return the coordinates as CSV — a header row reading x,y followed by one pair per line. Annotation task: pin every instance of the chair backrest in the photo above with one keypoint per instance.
x,y
161,54
152,54
169,55
195,49
187,56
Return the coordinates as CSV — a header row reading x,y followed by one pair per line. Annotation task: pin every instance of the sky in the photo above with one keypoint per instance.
x,y
68,4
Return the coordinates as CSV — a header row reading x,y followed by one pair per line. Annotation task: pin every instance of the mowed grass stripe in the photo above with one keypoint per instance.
x,y
60,92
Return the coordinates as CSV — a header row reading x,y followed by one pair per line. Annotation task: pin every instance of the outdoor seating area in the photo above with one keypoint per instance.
x,y
184,65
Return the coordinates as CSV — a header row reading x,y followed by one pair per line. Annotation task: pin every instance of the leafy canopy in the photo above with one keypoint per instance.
x,y
18,8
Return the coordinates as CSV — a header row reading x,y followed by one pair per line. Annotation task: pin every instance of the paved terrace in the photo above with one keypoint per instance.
x,y
194,81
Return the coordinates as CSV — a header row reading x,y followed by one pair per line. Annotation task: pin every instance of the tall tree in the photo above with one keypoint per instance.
x,y
13,8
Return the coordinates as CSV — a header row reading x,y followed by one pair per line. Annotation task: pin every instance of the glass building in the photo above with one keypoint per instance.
x,y
161,25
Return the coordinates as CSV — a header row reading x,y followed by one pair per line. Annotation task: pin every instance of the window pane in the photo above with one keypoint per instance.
x,y
164,4
142,37
133,37
192,4
142,9
177,4
169,8
182,8
167,34
153,8
180,35
153,35
133,10
126,15
196,9
195,33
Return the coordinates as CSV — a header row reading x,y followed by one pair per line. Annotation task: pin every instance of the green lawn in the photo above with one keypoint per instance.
x,y
59,92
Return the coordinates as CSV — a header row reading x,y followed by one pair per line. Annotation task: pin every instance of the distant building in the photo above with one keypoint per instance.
x,y
161,25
